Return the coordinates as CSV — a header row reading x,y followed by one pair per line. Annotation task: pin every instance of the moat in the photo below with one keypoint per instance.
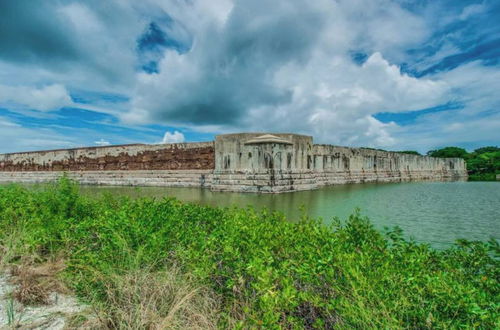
x,y
433,212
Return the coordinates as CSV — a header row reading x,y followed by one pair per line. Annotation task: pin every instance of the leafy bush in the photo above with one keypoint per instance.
x,y
411,152
483,164
263,270
448,152
484,150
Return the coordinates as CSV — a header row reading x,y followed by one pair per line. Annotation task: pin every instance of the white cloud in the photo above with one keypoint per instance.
x,y
236,78
46,98
175,137
285,66
27,139
256,65
471,10
81,17
7,123
102,142
477,123
334,99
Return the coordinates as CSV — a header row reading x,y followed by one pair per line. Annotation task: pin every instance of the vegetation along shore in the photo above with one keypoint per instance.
x,y
150,264
483,163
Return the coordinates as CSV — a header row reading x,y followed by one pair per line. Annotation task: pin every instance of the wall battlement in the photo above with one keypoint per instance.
x,y
246,162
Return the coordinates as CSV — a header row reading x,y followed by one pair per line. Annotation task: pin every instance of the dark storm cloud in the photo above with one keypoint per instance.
x,y
31,31
91,38
235,64
270,34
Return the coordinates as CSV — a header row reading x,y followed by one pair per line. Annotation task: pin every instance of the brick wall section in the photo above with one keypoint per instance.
x,y
178,156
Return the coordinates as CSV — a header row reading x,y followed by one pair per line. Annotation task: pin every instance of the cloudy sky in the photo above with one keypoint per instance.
x,y
379,73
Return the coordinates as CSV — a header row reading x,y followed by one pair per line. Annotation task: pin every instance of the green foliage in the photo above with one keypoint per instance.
x,y
483,164
448,152
486,150
411,152
267,272
376,149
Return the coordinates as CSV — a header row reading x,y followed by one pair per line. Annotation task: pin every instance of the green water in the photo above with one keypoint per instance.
x,y
434,212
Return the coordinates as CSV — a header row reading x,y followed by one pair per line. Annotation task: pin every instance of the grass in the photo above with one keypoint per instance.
x,y
12,320
152,264
35,282
155,300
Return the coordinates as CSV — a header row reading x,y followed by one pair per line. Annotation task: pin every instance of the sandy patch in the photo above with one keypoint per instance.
x,y
53,315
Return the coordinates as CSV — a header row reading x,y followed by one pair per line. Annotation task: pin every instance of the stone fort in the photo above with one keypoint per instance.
x,y
244,162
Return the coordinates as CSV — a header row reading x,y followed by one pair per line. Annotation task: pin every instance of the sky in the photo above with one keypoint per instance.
x,y
396,75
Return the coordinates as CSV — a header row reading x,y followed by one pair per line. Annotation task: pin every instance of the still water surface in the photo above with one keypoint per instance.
x,y
433,212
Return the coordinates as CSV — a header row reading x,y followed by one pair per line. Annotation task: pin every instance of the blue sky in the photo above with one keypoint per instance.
x,y
387,74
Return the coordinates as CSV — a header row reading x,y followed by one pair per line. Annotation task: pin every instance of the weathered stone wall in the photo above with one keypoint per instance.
x,y
178,156
338,165
243,152
256,162
276,166
160,178
246,162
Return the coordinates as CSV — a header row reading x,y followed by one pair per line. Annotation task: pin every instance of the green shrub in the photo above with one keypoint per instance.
x,y
265,271
452,152
483,164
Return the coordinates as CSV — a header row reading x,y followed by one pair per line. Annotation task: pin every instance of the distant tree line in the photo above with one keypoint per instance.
x,y
483,164
411,152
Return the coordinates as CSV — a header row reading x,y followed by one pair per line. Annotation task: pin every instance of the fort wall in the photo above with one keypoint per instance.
x,y
337,165
176,156
157,178
245,162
